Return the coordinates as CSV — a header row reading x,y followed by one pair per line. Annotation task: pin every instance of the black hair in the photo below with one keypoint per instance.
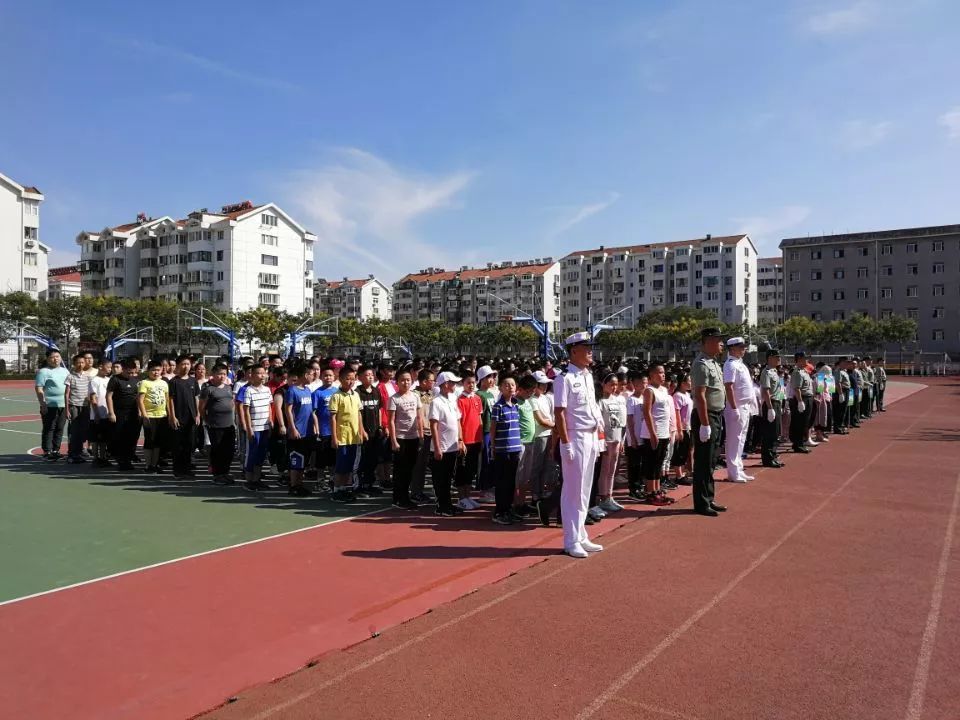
x,y
129,363
424,375
528,382
345,372
154,363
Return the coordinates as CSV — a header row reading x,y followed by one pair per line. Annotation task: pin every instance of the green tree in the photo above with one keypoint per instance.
x,y
60,319
798,332
863,331
15,308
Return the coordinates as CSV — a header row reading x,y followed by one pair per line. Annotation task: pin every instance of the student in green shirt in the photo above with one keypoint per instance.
x,y
487,377
528,432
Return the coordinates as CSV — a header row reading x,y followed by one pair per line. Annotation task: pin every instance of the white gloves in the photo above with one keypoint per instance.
x,y
704,433
771,415
801,406
567,449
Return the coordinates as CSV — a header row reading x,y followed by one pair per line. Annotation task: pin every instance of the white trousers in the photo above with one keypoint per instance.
x,y
576,460
736,421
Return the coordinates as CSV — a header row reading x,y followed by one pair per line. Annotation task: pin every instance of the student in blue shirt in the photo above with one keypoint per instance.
x,y
505,439
301,425
51,389
326,456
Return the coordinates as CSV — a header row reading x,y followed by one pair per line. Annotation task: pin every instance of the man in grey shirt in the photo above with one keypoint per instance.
x,y
216,410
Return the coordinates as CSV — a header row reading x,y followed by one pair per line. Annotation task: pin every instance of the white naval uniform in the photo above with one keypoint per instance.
x,y
575,393
737,420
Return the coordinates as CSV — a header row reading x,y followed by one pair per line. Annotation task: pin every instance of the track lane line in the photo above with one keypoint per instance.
x,y
617,685
922,673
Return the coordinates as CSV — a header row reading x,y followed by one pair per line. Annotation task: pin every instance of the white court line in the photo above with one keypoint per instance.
x,y
186,557
617,685
922,674
23,400
22,432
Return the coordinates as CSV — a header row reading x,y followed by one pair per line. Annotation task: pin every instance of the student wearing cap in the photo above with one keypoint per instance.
x,y
801,403
741,405
841,397
707,414
772,397
866,402
577,423
853,403
444,416
880,379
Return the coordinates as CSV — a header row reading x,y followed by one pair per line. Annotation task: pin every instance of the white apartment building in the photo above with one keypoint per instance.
x,y
770,299
362,299
242,257
62,282
481,295
717,273
24,266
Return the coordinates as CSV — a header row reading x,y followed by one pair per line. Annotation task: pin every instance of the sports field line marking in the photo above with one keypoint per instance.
x,y
185,557
654,709
617,685
21,432
922,674
23,400
386,654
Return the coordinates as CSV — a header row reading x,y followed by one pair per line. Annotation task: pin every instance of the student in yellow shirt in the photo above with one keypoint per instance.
x,y
152,403
347,433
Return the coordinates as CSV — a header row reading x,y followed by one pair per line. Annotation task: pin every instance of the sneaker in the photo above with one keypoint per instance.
x,y
223,480
657,500
77,460
589,520
502,519
444,512
591,546
610,505
515,516
466,504
423,498
740,479
596,513
638,495
299,490
342,495
524,510
405,505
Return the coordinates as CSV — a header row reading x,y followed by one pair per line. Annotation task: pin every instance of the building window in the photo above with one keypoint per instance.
x,y
795,276
839,315
270,220
794,297
886,249
913,313
816,254
938,313
728,280
309,266
219,234
658,268
887,270
912,291
816,296
863,252
862,272
938,334
794,254
838,252
818,316
269,260
713,295
269,240
29,258
200,256
29,284
220,275
219,255
862,294
711,265
886,314
913,270
937,268
912,248
728,296
269,280
682,267
938,290
839,295
886,293
838,274
816,275
937,246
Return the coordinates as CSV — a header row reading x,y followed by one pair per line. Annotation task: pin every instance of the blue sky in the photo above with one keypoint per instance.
x,y
436,133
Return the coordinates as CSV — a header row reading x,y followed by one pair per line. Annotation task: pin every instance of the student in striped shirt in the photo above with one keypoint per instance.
x,y
257,406
506,445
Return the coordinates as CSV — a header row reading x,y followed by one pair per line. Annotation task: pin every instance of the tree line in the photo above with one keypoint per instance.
x,y
72,320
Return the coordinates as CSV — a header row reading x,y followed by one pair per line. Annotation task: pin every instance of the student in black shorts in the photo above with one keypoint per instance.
x,y
123,415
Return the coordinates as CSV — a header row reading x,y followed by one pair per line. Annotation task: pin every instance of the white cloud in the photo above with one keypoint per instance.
x,y
208,65
951,121
860,135
574,215
845,20
367,209
764,229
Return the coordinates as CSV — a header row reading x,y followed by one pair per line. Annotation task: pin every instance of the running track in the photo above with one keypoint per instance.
x,y
827,591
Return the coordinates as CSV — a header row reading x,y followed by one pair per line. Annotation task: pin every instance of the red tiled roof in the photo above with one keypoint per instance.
x,y
127,227
722,240
32,189
778,260
334,284
67,270
69,277
237,213
474,273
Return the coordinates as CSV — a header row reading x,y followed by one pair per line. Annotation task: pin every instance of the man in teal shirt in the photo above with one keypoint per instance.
x,y
51,388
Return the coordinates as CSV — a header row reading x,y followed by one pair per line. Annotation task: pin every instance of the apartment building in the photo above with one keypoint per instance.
x,y
481,295
363,299
913,272
718,273
62,282
24,266
244,256
770,306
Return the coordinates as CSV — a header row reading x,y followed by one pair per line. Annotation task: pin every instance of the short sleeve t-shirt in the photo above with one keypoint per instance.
x,y
445,411
98,387
300,401
345,413
544,404
79,384
183,393
321,404
425,399
258,400
528,426
405,408
507,419
155,394
53,382
218,410
369,408
471,414
123,392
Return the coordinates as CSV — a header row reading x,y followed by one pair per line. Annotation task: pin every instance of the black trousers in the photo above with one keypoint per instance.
x,y
769,432
403,461
800,421
221,448
123,441
183,444
878,399
505,476
79,429
53,420
704,458
634,466
369,459
469,465
839,411
443,471
865,410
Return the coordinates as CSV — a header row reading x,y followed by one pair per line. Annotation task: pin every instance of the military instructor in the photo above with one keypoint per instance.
x,y
708,404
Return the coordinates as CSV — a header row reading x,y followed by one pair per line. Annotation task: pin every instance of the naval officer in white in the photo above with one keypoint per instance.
x,y
741,404
578,421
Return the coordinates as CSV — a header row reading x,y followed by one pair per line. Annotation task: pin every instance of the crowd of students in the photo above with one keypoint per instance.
x,y
484,431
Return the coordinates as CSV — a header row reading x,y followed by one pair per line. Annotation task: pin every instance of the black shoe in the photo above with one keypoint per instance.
x,y
444,512
804,450
256,485
162,463
718,507
405,505
543,510
685,480
77,460
774,464
523,511
223,480
299,490
502,519
125,467
709,512
589,521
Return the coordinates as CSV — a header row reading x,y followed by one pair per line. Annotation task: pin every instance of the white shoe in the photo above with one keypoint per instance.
x,y
741,479
576,551
596,513
748,478
812,443
466,504
610,505
591,546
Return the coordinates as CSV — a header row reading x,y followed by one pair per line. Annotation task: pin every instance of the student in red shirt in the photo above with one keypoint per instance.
x,y
387,389
471,426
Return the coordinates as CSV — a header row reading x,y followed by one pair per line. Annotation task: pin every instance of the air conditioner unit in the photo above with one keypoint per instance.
x,y
29,243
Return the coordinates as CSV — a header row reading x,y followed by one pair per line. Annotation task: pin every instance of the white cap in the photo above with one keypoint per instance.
x,y
736,341
541,377
484,372
446,377
579,338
